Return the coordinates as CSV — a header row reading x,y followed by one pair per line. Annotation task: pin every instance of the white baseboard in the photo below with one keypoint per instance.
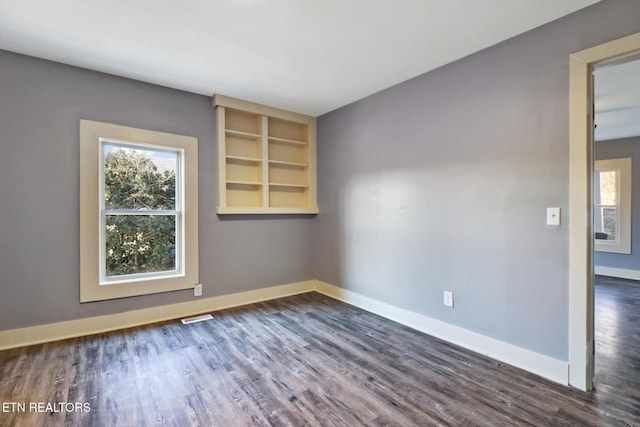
x,y
98,324
545,366
553,369
622,273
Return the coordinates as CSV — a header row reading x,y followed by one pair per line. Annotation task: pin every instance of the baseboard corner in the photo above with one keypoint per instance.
x,y
539,364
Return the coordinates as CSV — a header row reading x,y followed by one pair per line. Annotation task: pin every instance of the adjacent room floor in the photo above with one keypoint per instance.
x,y
311,360
617,334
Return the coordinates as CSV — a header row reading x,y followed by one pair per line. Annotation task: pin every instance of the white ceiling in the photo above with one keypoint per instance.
x,y
310,56
617,101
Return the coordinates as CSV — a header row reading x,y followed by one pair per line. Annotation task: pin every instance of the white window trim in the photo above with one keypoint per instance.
x,y
622,245
91,286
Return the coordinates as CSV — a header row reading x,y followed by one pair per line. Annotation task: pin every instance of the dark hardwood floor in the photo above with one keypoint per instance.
x,y
307,360
617,335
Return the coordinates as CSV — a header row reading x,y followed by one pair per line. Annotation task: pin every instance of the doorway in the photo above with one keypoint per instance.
x,y
581,245
616,256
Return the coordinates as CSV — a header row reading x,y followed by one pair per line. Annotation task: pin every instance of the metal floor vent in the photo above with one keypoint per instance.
x,y
195,319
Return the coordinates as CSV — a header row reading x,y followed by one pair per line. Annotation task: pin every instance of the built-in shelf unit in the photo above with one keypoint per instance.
x,y
266,159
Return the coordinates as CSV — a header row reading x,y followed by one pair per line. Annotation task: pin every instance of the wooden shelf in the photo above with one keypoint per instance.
x,y
282,184
266,159
244,159
243,134
295,164
287,141
250,183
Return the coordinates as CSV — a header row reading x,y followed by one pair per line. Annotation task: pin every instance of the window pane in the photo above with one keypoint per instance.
x,y
608,188
610,222
606,223
136,178
140,244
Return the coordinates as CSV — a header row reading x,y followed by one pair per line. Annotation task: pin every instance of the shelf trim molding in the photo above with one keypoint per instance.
x,y
232,210
265,159
265,110
222,154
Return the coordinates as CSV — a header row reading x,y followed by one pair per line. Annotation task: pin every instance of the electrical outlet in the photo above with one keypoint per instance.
x,y
448,298
197,290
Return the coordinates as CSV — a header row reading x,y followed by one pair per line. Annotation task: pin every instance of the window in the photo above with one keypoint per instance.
x,y
138,211
612,205
141,211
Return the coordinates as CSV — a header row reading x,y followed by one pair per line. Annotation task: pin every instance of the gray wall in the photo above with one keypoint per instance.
x,y
613,149
40,105
442,183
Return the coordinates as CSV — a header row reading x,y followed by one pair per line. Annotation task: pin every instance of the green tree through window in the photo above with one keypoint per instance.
x,y
140,210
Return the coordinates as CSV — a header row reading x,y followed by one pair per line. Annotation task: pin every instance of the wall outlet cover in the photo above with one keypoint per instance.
x,y
448,298
553,216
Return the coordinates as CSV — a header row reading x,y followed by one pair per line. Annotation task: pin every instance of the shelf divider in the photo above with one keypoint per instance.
x,y
265,159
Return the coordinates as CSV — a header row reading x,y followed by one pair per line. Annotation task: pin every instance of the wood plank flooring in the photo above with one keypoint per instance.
x,y
305,360
617,335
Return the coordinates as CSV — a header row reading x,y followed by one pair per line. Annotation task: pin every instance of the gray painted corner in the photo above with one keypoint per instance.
x,y
442,183
40,107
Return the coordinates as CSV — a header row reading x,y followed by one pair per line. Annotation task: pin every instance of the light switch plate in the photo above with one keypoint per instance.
x,y
553,216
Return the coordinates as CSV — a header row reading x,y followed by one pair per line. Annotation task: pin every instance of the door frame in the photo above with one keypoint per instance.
x,y
582,64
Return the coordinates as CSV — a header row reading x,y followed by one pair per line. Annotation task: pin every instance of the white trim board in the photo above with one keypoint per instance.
x,y
622,273
545,366
540,364
581,333
93,325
